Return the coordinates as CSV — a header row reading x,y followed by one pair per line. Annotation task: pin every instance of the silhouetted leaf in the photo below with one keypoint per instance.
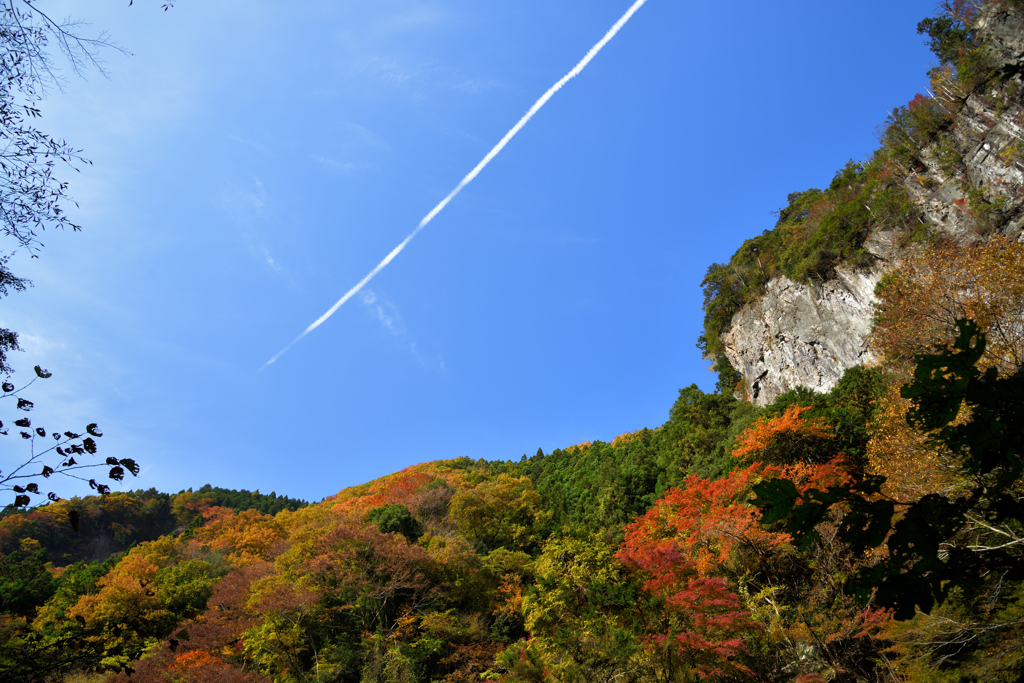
x,y
776,499
25,404
941,379
43,374
867,526
93,429
73,518
869,485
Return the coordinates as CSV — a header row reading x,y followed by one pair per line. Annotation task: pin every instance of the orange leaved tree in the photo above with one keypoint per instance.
x,y
787,439
698,632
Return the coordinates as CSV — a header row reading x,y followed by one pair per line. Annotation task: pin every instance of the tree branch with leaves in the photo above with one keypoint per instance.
x,y
57,458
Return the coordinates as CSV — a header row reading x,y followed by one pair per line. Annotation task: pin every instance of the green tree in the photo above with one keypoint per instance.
x,y
583,615
697,435
950,35
185,587
499,513
395,518
25,583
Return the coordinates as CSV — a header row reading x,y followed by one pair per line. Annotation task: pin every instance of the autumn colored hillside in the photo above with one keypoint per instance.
x,y
871,533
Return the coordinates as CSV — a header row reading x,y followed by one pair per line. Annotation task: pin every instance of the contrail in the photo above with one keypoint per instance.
x,y
469,176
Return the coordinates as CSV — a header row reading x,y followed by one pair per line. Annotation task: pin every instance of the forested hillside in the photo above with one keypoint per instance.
x,y
112,523
871,533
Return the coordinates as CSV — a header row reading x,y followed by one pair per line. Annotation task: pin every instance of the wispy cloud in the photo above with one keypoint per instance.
x,y
256,146
387,69
385,312
355,135
414,19
251,207
400,72
383,53
428,362
270,260
392,27
333,164
475,86
352,146
381,309
425,221
245,201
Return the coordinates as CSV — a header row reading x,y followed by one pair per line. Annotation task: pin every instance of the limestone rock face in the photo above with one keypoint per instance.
x,y
986,138
804,335
800,335
1004,28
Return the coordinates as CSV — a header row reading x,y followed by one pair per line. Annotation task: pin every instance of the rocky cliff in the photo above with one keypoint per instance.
x,y
967,183
805,335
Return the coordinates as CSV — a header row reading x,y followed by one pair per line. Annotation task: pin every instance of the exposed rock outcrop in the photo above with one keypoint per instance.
x,y
809,335
806,335
990,145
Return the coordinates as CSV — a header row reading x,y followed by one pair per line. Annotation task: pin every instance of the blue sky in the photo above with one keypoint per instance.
x,y
254,160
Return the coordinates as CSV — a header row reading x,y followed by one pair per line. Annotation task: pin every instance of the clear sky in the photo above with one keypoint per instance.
x,y
253,160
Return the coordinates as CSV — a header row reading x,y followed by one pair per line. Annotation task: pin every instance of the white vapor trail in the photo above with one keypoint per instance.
x,y
469,176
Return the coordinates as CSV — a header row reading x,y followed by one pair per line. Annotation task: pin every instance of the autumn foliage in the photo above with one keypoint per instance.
x,y
922,299
786,439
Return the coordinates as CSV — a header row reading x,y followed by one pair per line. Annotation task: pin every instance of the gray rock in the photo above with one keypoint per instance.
x,y
803,335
